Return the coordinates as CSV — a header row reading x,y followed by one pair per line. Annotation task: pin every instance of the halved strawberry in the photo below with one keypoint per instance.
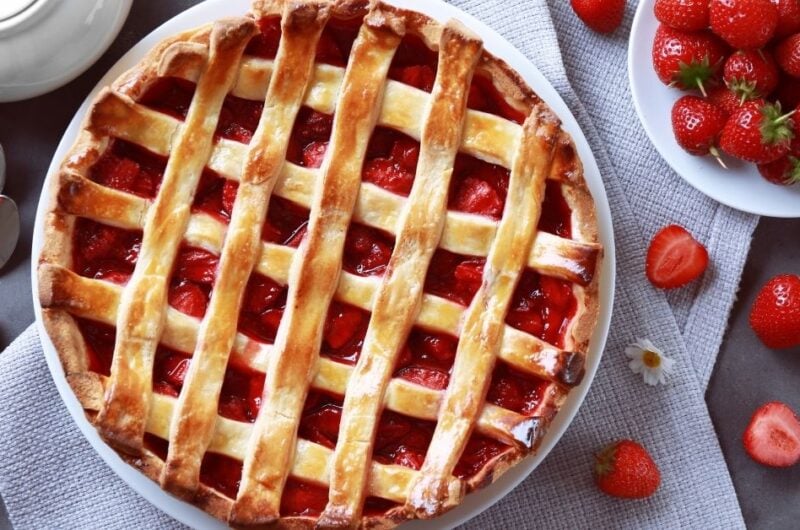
x,y
675,258
772,437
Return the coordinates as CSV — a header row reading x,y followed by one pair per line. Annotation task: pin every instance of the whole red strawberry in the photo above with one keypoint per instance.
x,y
724,99
687,60
751,74
697,123
788,92
686,15
757,133
603,16
788,55
775,316
785,171
788,17
772,437
744,24
625,469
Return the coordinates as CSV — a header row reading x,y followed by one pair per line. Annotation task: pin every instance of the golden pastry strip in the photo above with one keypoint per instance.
x,y
144,300
98,300
398,297
463,233
525,352
482,332
196,412
314,272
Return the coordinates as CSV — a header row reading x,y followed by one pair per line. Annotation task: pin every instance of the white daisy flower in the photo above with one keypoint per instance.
x,y
650,361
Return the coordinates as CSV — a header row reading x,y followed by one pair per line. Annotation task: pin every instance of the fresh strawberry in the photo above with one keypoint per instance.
x,y
744,24
685,15
788,55
603,16
788,93
784,171
687,60
724,99
758,133
675,258
775,316
788,17
626,470
772,437
697,123
751,74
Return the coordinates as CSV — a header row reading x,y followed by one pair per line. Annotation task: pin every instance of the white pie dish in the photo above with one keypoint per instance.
x,y
475,503
740,186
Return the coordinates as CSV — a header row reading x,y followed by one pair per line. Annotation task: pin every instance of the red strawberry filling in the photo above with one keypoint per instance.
x,y
367,250
427,359
391,161
485,97
240,397
104,252
542,306
515,391
414,63
344,332
286,222
262,308
454,276
127,167
309,139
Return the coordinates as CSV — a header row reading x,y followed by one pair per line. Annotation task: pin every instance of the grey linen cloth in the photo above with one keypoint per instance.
x,y
50,477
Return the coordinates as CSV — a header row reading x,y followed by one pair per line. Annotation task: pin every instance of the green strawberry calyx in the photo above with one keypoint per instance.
x,y
776,128
696,74
604,460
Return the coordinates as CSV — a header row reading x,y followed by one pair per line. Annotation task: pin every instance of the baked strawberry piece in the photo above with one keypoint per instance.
x,y
772,437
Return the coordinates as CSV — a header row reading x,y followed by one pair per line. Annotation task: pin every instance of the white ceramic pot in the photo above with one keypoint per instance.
x,y
45,44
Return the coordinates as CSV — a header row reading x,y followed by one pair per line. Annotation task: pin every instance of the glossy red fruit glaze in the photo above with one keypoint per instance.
x,y
744,24
414,63
99,339
238,119
286,222
169,95
687,60
556,215
454,276
240,396
319,422
788,17
478,187
104,252
685,15
751,73
169,371
366,250
265,44
788,55
697,123
514,390
215,196
193,277
222,473
303,499
127,167
262,308
477,453
484,96
427,359
310,127
343,336
542,306
402,440
391,161
157,445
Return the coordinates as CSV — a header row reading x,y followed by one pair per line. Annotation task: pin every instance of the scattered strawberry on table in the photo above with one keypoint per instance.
x,y
675,258
773,436
775,315
743,59
603,16
625,469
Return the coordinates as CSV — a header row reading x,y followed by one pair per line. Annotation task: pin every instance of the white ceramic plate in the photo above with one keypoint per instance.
x,y
476,502
740,186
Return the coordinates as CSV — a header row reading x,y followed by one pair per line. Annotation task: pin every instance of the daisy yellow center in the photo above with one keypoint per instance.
x,y
651,359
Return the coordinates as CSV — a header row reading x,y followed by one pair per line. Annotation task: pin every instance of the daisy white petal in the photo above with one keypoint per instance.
x,y
649,361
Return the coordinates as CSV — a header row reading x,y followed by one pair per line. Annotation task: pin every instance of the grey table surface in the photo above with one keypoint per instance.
x,y
746,375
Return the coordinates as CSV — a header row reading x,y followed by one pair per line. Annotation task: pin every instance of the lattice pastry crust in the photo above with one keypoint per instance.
x,y
123,406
